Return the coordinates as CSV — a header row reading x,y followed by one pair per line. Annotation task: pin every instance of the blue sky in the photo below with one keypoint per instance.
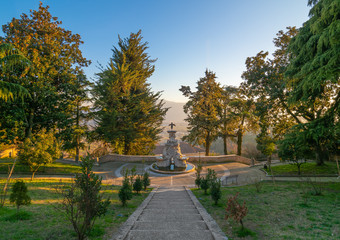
x,y
186,36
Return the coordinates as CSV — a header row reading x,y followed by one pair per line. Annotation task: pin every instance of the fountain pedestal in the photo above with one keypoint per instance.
x,y
172,158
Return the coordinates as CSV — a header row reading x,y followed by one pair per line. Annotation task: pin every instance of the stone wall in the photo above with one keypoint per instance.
x,y
221,158
152,158
127,158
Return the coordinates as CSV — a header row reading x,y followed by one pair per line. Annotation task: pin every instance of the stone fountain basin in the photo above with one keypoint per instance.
x,y
191,167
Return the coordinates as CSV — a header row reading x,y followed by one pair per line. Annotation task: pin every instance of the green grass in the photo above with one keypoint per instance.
x,y
285,211
308,168
44,221
51,168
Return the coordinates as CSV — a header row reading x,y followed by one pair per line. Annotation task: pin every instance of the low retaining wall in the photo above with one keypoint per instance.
x,y
152,158
221,158
127,158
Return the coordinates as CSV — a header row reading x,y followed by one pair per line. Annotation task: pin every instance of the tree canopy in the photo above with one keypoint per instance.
x,y
128,114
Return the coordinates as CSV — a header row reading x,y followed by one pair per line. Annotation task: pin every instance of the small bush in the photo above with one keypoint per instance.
x,y
205,185
125,193
19,194
146,180
215,191
82,201
198,181
235,210
138,184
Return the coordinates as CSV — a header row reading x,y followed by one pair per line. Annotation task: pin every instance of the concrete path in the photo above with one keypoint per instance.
x,y
170,213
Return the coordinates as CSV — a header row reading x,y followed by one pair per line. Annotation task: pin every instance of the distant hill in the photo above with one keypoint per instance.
x,y
175,114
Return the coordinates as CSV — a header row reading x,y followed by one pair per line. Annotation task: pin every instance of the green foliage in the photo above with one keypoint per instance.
x,y
82,201
56,60
313,73
146,180
138,184
75,127
128,113
43,148
19,194
198,170
203,109
215,191
204,183
294,148
11,60
125,193
228,121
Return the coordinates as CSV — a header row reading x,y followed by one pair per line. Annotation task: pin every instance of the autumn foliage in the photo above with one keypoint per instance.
x,y
235,210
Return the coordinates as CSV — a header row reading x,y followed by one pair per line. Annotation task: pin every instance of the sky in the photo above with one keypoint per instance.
x,y
185,36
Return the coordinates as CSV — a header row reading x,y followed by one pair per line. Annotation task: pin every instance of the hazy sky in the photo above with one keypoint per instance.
x,y
186,36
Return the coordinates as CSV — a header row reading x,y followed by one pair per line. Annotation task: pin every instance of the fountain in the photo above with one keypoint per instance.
x,y
172,161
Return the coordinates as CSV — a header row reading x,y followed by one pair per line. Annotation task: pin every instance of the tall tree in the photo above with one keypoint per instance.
x,y
128,114
203,110
54,52
243,113
228,123
314,75
75,129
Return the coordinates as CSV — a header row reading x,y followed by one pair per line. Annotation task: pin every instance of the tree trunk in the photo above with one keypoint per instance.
x,y
225,144
207,144
319,155
30,124
77,137
239,142
33,175
77,152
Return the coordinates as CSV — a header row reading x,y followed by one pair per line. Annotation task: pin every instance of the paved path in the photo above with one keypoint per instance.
x,y
170,213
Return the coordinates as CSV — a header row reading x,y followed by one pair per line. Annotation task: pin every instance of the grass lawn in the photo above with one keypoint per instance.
x,y
51,168
281,212
306,169
46,222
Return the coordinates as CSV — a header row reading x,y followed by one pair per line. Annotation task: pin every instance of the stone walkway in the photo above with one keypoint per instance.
x,y
170,213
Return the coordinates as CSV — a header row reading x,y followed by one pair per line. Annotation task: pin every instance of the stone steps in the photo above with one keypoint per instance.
x,y
169,235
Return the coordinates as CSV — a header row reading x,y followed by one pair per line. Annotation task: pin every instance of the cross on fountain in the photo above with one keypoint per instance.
x,y
172,125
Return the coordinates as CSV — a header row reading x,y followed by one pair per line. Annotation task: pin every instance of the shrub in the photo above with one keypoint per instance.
x,y
138,184
215,191
198,173
82,201
19,194
211,176
235,210
125,193
146,180
205,185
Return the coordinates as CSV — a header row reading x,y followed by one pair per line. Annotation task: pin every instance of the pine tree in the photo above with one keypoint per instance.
x,y
127,112
202,109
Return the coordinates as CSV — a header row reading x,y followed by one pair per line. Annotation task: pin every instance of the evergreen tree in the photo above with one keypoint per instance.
x,y
314,75
56,61
228,123
127,112
19,194
75,128
203,109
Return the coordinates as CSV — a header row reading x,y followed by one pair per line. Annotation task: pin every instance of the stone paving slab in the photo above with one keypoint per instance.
x,y
170,235
170,225
170,213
